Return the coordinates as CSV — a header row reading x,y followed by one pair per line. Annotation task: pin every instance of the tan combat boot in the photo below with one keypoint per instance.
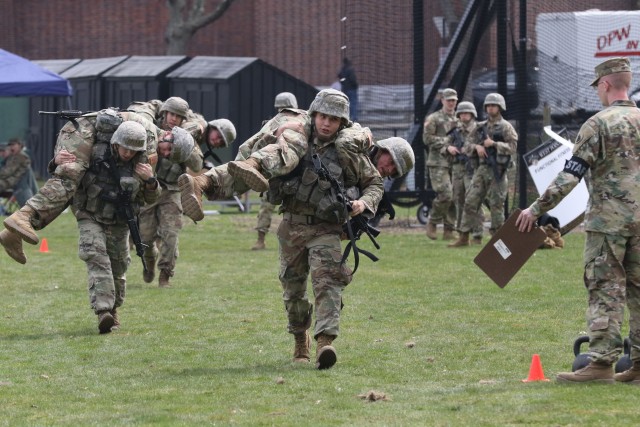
x,y
116,318
432,231
163,280
476,240
463,240
105,322
191,189
302,349
259,245
150,273
326,355
13,245
593,372
448,233
249,171
630,376
20,223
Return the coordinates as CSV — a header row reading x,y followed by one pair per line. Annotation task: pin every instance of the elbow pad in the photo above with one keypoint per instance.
x,y
576,167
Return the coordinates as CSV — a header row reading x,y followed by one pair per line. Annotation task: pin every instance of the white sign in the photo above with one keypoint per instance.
x,y
544,163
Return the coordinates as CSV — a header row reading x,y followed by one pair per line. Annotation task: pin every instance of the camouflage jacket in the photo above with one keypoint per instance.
x,y
14,168
436,127
609,143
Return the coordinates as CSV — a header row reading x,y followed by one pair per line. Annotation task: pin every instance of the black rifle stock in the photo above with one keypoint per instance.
x,y
458,142
492,152
125,210
355,226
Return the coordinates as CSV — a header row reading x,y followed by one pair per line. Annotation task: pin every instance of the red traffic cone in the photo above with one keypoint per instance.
x,y
535,371
44,246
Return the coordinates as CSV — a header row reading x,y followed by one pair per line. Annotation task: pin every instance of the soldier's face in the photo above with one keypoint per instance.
x,y
165,144
14,149
385,164
326,125
171,120
493,110
125,154
465,117
449,105
214,138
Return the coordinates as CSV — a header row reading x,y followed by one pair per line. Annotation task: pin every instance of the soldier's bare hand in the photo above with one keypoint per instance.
x,y
488,143
144,171
453,150
525,221
481,151
357,207
64,156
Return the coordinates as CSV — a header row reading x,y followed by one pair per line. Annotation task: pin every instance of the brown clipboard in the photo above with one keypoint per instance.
x,y
508,250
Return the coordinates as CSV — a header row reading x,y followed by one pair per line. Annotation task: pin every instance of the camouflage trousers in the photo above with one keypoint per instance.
x,y
312,250
105,250
483,186
443,210
162,222
612,276
51,200
264,215
461,181
224,186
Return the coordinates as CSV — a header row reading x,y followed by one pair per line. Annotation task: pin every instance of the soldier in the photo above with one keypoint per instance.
x,y
462,169
16,173
496,144
219,133
436,127
162,220
73,149
309,235
103,232
606,148
283,100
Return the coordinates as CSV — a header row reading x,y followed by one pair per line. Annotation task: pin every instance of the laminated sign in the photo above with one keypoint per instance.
x,y
508,250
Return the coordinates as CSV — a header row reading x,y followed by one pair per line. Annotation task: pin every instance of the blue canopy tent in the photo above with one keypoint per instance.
x,y
21,77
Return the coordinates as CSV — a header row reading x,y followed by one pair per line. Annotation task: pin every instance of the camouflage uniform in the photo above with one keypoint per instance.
x,y
15,175
163,219
484,184
264,216
103,232
78,137
436,127
612,221
311,245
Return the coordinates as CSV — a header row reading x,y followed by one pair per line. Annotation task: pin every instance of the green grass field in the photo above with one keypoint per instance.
x,y
423,325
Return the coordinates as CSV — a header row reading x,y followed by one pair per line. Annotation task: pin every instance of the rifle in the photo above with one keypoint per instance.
x,y
358,223
492,152
458,142
125,210
64,114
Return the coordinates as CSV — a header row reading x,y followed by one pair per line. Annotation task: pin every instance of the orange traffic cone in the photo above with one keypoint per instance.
x,y
44,246
535,371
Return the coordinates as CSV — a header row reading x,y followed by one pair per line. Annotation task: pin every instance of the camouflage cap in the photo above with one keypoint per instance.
x,y
611,66
449,94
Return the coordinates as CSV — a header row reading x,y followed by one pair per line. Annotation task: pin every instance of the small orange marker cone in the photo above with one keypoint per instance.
x,y
44,246
535,371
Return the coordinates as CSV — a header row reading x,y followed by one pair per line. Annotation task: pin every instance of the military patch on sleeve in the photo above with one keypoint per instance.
x,y
587,132
576,167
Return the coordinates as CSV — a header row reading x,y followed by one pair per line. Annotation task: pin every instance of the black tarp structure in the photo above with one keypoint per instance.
x,y
241,89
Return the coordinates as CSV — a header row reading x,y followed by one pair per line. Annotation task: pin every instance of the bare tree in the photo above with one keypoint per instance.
x,y
186,17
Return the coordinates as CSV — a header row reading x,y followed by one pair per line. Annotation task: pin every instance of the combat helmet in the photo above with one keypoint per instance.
x,y
495,99
182,145
401,153
130,135
331,102
285,100
466,107
176,105
226,128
